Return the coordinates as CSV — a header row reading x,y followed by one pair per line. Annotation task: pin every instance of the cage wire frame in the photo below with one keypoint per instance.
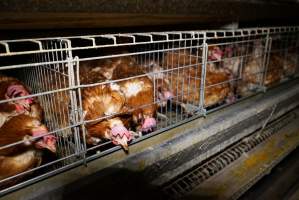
x,y
68,118
241,36
195,36
286,45
72,62
70,157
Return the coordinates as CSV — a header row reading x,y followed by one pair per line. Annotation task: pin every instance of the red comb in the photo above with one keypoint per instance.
x,y
15,89
121,131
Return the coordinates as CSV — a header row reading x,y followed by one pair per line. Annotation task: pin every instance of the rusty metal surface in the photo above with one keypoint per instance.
x,y
281,183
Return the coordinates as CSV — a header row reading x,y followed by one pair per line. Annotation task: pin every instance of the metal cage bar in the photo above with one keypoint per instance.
x,y
202,70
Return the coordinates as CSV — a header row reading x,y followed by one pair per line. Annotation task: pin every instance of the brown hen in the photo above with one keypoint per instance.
x,y
138,92
12,88
186,81
100,103
27,154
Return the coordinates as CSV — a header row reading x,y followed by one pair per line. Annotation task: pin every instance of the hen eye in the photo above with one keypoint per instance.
x,y
17,94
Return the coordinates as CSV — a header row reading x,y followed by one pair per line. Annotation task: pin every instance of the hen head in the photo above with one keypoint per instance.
x,y
119,134
149,122
35,128
228,51
162,83
215,53
111,129
18,90
164,91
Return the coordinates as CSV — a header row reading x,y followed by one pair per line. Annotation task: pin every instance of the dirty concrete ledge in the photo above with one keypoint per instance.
x,y
158,159
237,177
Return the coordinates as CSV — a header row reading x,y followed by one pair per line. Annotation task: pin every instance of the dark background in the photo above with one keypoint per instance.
x,y
37,18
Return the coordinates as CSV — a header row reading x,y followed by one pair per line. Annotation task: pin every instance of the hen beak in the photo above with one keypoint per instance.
x,y
123,142
22,106
125,147
45,142
26,106
50,141
218,56
51,147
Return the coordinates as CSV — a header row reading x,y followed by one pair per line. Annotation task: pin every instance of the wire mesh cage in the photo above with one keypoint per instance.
x,y
95,94
283,59
235,65
141,72
61,104
37,111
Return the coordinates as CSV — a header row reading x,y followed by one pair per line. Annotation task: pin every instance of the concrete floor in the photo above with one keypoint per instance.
x,y
281,183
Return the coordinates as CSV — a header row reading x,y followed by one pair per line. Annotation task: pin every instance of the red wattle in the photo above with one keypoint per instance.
x,y
19,108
